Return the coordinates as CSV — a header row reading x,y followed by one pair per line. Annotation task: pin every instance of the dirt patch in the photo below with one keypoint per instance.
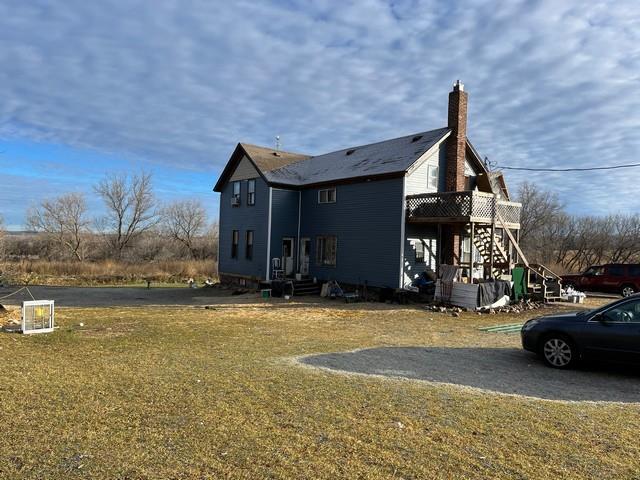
x,y
501,370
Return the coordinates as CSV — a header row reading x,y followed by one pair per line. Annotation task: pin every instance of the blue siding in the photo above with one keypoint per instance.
x,y
244,218
367,220
284,220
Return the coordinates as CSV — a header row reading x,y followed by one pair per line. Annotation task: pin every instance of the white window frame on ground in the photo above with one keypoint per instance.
x,y
327,195
433,174
38,316
326,250
235,197
251,192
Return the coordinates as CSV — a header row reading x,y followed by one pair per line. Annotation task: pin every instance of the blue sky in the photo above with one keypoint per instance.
x,y
172,86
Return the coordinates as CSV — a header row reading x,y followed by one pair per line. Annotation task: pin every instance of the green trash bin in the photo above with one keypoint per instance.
x,y
518,275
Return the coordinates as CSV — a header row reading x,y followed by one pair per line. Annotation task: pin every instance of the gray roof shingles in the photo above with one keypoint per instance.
x,y
381,158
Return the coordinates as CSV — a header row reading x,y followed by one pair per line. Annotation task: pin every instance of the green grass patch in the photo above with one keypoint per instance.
x,y
193,393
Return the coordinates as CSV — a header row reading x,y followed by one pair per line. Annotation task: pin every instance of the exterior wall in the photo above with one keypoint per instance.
x,y
469,171
417,180
429,236
367,221
284,221
244,218
245,170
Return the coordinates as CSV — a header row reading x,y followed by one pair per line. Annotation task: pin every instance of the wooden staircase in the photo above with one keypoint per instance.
x,y
305,287
484,245
541,281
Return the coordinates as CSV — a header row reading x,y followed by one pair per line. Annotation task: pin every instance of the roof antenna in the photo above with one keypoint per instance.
x,y
277,143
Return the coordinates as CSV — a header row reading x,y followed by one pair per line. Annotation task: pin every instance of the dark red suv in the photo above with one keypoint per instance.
x,y
613,277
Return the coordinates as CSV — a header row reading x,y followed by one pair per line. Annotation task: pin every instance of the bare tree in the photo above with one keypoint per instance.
x,y
538,207
183,222
2,239
131,211
62,219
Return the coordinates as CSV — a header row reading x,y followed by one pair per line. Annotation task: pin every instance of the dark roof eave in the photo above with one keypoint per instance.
x,y
341,181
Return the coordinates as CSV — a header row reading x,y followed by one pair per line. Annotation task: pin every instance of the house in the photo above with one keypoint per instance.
x,y
377,214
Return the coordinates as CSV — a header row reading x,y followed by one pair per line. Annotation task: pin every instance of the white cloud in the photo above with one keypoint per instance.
x,y
179,83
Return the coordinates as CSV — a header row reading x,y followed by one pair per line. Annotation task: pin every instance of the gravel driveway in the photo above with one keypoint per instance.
x,y
120,296
501,370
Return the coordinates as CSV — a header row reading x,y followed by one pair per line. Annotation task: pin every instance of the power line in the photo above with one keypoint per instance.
x,y
577,169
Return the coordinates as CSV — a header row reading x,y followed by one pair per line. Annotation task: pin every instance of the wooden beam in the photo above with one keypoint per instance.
x,y
514,242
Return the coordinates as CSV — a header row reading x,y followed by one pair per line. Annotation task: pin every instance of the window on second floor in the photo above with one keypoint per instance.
x,y
327,195
433,172
235,198
235,238
326,249
251,192
248,250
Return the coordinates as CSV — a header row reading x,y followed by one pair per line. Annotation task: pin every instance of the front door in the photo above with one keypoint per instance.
x,y
305,254
287,256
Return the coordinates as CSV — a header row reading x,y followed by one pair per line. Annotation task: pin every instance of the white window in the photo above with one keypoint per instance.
x,y
432,177
235,198
327,195
326,250
419,246
466,249
251,192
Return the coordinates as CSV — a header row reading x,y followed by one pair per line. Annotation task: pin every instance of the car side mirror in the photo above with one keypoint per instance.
x,y
600,318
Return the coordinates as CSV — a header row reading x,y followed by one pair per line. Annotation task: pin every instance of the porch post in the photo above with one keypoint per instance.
x,y
439,250
471,246
493,236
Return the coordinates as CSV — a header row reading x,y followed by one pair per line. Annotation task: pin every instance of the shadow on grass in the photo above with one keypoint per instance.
x,y
500,370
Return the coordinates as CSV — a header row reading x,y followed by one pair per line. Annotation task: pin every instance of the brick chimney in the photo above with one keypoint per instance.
x,y
456,143
454,175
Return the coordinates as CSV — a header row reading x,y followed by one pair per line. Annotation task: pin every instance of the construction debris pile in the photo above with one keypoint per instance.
x,y
522,306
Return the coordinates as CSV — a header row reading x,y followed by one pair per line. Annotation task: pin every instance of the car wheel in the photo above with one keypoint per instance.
x,y
558,351
628,290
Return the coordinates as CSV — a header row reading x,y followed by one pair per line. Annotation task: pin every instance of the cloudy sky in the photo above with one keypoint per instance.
x,y
171,86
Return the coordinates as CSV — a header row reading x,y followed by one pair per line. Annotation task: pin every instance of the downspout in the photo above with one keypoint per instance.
x,y
268,274
402,232
299,216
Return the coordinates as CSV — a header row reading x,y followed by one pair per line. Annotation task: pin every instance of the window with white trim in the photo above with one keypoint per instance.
x,y
326,248
433,172
327,195
251,191
235,198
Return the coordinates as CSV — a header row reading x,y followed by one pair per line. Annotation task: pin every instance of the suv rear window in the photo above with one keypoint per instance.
x,y
616,270
634,270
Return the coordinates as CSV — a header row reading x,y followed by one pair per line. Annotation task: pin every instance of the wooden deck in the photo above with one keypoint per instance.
x,y
462,207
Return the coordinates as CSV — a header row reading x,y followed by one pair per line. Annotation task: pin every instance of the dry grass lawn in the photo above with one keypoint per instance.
x,y
191,393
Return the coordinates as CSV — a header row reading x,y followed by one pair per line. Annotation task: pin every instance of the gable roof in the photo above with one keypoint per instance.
x,y
263,159
267,159
499,185
375,159
386,158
